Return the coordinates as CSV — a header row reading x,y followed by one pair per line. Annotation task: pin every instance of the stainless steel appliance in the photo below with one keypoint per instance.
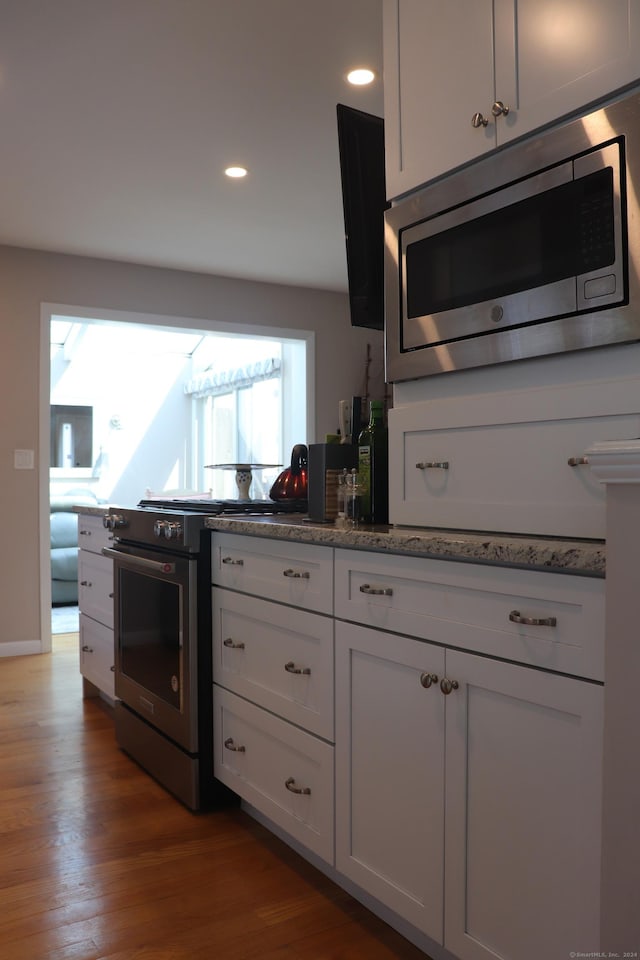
x,y
526,252
163,644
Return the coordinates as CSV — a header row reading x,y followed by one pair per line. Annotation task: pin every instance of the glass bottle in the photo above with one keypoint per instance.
x,y
373,467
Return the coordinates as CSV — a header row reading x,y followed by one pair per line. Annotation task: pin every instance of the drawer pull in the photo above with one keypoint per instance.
x,y
375,591
85,533
87,649
290,784
290,667
515,617
111,596
86,583
232,562
432,465
230,745
232,644
296,574
577,461
427,679
447,685
112,668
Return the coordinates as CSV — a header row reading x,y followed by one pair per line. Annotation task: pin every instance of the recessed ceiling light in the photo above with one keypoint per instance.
x,y
236,173
361,77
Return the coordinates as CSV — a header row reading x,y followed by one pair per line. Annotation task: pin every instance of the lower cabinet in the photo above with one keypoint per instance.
x,y
96,656
95,599
468,794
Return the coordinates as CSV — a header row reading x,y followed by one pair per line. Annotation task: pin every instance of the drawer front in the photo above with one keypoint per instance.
x,y
92,534
278,658
507,463
97,654
266,760
479,608
95,586
295,573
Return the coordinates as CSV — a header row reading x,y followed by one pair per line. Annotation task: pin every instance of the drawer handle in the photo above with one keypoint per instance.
x,y
432,465
112,668
230,745
290,784
232,644
375,591
290,667
86,583
515,617
427,679
232,562
296,574
111,596
577,461
447,685
87,649
85,533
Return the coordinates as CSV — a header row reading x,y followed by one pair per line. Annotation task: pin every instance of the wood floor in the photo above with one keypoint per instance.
x,y
97,861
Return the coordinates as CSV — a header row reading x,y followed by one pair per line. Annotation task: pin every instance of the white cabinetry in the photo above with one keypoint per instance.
x,y
95,597
542,59
273,681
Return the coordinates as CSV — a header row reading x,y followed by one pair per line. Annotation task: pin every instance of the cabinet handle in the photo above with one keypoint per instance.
x,y
232,562
515,617
112,668
447,685
230,745
426,679
376,591
111,596
85,533
290,784
232,644
290,667
297,574
87,649
499,110
577,461
477,120
432,465
86,583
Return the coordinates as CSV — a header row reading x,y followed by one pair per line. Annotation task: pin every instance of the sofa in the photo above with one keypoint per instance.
x,y
64,545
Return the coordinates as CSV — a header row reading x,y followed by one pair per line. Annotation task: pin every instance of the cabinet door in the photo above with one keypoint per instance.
x,y
438,72
569,54
97,654
522,829
95,586
389,771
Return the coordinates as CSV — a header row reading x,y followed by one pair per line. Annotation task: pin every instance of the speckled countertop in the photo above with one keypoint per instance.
x,y
584,557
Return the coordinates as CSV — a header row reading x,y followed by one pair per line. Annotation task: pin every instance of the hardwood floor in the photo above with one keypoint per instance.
x,y
98,861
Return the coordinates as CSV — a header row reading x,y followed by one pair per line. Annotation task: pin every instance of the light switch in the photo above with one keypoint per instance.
x,y
23,459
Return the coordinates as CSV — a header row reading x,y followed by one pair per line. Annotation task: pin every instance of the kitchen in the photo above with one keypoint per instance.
x,y
33,277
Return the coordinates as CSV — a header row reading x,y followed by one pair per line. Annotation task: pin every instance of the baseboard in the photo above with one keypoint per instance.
x,y
22,648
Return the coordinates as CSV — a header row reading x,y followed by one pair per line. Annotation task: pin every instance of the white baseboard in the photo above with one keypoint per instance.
x,y
22,649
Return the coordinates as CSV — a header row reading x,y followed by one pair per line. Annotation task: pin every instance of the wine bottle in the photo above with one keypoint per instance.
x,y
373,468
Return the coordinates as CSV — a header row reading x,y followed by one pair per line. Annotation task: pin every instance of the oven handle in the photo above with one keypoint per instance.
x,y
158,566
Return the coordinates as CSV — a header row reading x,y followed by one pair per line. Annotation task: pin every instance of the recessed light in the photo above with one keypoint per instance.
x,y
361,76
236,173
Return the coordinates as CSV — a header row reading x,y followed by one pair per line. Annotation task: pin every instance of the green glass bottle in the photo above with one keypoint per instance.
x,y
373,467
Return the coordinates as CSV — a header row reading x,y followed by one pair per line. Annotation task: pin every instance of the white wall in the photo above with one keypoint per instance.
x,y
31,278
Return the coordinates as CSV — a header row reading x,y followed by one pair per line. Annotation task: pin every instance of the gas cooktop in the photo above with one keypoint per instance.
x,y
217,507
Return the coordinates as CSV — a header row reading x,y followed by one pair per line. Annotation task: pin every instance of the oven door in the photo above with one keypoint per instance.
x,y
156,639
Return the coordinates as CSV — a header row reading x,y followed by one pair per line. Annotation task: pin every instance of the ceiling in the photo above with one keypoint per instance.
x,y
118,118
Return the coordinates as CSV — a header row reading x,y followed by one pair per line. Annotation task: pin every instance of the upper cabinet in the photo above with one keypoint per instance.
x,y
465,77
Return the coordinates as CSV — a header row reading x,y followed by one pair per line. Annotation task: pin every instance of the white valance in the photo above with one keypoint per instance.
x,y
212,383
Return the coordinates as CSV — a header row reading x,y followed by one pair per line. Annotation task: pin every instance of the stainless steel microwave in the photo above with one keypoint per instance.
x,y
529,251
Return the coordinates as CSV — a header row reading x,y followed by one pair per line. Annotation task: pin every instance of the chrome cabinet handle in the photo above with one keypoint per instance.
x,y
447,685
87,649
515,617
230,745
232,562
427,679
290,784
376,591
290,667
499,110
577,461
432,465
111,595
86,583
296,574
477,120
112,668
232,644
85,533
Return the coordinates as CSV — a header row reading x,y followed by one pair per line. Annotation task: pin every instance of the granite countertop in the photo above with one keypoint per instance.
x,y
582,557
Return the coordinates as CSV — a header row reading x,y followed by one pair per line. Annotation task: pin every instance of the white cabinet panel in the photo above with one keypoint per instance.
x,y
92,534
95,586
97,654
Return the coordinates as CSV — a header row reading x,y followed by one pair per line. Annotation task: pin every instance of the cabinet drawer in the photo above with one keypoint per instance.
x,y
477,608
507,462
295,573
95,586
97,654
92,534
265,760
278,658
